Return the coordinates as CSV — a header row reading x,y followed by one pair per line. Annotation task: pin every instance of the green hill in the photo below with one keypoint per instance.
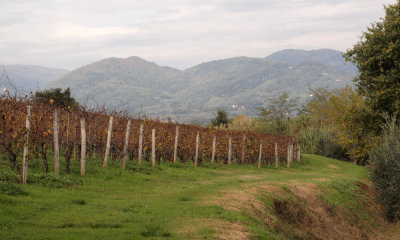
x,y
195,93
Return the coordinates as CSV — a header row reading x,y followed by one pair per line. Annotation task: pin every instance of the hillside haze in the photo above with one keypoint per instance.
x,y
30,78
237,84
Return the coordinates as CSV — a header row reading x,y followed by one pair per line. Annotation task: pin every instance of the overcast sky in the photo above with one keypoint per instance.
x,y
177,33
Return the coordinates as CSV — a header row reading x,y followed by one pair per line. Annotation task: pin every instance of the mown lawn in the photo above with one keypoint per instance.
x,y
170,201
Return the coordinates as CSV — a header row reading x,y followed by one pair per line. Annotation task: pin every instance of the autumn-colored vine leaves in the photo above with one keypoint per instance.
x,y
120,139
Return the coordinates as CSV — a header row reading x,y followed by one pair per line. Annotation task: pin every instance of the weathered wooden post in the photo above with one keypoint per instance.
x,y
298,152
291,153
288,156
68,150
108,146
26,145
75,136
276,155
89,143
176,143
140,144
95,137
83,147
56,137
213,149
126,144
230,151
153,147
196,156
68,125
243,148
260,154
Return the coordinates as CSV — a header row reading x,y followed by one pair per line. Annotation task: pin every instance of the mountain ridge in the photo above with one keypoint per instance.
x,y
30,77
138,85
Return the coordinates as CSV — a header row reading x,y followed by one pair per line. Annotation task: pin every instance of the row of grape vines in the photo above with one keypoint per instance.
x,y
245,146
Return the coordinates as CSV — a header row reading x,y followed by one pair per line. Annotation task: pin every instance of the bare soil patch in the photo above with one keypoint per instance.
x,y
224,230
304,215
232,231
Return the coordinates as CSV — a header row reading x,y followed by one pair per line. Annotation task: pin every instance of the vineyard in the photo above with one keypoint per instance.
x,y
30,129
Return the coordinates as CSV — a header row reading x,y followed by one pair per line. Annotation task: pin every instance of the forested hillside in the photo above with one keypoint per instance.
x,y
195,93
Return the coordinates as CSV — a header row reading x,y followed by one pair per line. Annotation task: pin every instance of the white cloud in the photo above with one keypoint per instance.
x,y
68,34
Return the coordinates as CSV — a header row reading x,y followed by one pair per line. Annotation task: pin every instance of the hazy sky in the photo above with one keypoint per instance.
x,y
71,33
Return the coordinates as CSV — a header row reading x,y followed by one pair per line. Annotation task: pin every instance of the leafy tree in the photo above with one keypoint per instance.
x,y
311,128
345,114
318,100
278,112
222,118
377,57
56,97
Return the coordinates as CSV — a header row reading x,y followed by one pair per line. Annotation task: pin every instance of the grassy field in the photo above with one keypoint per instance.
x,y
318,199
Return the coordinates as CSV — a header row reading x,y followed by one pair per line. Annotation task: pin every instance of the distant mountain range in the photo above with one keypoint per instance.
x,y
29,78
238,84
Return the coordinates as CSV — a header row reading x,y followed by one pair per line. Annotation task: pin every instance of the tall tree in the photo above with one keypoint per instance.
x,y
377,57
57,97
278,112
222,118
345,113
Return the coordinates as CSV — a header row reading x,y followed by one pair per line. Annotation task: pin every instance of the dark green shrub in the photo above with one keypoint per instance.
x,y
385,163
11,189
8,175
320,141
79,201
155,231
54,180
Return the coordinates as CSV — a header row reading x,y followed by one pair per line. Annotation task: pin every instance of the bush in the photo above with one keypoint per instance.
x,y
11,189
54,180
320,141
312,139
7,175
385,163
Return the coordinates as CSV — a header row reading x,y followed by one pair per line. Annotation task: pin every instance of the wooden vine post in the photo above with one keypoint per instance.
x,y
276,155
95,137
83,147
298,152
68,149
26,145
108,146
56,137
196,155
230,151
153,147
288,156
176,143
89,143
68,126
260,154
140,144
214,142
291,153
75,136
126,144
243,149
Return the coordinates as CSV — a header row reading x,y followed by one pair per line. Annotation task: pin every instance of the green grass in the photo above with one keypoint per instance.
x,y
169,201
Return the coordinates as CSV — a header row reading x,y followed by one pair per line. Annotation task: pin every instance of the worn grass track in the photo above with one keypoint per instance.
x,y
179,201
